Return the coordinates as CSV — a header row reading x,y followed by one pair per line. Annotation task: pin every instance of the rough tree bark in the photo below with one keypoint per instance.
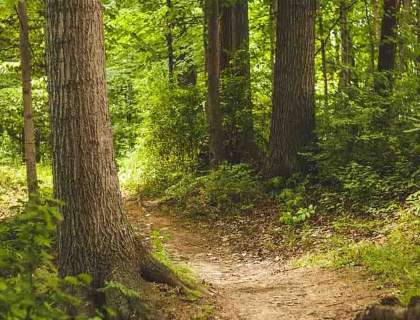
x,y
292,121
94,236
236,81
214,115
29,128
387,48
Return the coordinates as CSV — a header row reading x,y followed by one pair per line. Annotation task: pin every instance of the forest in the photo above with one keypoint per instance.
x,y
210,159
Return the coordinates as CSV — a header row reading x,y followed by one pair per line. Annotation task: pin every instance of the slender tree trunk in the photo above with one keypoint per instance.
x,y
188,77
372,38
406,26
214,115
29,130
169,42
376,20
236,82
323,58
346,47
387,48
292,121
418,44
94,237
272,27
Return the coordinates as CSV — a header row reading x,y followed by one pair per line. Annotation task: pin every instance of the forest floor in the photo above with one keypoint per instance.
x,y
245,285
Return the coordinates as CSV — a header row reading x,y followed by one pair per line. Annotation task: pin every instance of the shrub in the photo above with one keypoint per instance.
x,y
30,287
229,189
294,199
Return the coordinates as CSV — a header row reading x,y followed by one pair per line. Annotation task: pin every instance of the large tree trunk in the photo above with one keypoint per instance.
x,y
214,115
236,82
29,130
94,236
387,48
292,122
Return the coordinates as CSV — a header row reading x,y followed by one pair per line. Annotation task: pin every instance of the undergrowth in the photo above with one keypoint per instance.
x,y
30,287
388,250
226,190
183,272
13,187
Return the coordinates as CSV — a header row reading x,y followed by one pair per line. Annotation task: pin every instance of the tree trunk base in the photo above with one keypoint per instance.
x,y
138,292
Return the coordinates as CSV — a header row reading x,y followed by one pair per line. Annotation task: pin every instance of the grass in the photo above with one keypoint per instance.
x,y
183,272
389,250
13,186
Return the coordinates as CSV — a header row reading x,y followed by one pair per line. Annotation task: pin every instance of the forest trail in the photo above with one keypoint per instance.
x,y
250,289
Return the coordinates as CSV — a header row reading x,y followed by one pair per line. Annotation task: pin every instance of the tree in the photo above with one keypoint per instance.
x,y
94,237
236,81
29,135
323,42
347,58
169,41
214,115
387,48
418,41
292,120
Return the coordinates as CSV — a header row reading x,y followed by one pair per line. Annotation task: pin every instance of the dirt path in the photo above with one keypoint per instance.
x,y
247,289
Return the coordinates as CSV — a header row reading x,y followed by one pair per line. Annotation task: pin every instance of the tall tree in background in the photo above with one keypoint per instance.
x,y
372,38
323,42
29,130
347,57
406,25
376,20
170,41
387,48
418,41
236,81
214,115
94,237
292,121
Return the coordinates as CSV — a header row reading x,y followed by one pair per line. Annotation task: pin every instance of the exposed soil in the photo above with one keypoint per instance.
x,y
246,287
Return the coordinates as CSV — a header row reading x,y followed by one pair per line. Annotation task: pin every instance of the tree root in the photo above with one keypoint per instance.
x,y
154,271
391,309
140,278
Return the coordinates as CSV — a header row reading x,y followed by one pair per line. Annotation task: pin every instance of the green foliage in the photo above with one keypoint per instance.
x,y
170,143
13,194
393,260
301,215
293,197
11,117
30,287
413,201
229,189
182,271
117,286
